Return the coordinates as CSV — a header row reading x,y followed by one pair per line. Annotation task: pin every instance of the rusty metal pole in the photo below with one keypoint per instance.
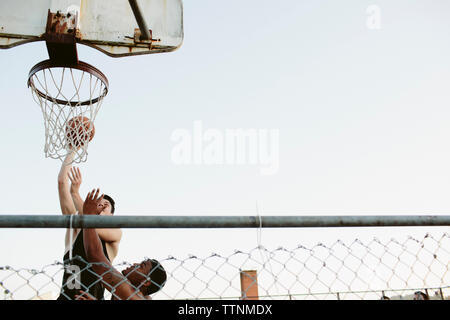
x,y
145,33
249,285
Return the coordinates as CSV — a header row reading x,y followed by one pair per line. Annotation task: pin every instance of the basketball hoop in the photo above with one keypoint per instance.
x,y
70,96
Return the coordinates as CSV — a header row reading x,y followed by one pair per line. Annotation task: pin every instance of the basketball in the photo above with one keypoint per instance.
x,y
78,131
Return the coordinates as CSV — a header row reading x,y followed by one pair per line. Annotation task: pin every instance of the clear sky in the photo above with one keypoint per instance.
x,y
363,119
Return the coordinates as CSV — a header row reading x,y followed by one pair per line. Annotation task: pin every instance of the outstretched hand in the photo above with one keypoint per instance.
x,y
92,203
75,179
84,296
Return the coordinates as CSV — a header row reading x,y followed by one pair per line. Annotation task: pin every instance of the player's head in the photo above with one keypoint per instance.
x,y
419,295
108,205
149,276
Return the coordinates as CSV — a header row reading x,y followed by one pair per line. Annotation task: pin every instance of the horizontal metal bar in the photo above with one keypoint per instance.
x,y
80,221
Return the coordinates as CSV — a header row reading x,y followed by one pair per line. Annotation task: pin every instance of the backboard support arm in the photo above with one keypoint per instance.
x,y
60,37
145,33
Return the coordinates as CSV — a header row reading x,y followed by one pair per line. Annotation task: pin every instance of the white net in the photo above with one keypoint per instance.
x,y
70,98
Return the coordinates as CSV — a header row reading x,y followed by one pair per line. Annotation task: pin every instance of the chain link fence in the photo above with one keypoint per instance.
x,y
358,269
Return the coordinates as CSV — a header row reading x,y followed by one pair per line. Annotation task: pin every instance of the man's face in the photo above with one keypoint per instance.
x,y
104,207
137,272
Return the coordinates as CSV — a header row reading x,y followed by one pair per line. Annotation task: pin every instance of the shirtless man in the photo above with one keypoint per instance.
x,y
72,203
134,283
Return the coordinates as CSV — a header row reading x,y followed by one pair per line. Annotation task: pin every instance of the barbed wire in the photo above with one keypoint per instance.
x,y
369,269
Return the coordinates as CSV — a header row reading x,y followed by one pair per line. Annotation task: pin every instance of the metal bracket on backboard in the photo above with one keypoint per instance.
x,y
138,34
60,37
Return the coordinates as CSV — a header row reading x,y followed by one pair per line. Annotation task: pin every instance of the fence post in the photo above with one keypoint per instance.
x,y
249,285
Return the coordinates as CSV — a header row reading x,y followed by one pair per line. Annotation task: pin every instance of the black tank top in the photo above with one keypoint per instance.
x,y
90,281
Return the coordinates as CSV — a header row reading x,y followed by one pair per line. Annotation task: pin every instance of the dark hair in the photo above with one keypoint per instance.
x,y
423,295
106,197
158,277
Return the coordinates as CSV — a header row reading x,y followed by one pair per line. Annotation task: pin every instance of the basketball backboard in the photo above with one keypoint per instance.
x,y
111,26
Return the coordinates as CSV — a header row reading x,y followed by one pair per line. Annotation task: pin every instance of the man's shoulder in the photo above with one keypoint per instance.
x,y
115,242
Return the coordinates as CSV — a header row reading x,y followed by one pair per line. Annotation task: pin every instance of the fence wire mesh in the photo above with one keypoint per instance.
x,y
369,269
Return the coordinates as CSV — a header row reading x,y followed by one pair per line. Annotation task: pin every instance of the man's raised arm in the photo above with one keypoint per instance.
x,y
113,280
65,199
